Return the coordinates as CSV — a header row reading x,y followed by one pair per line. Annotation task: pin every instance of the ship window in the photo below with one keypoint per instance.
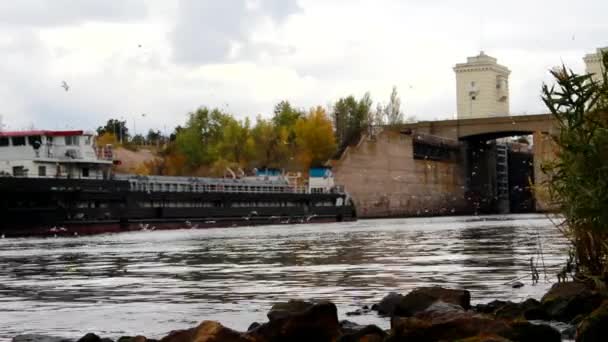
x,y
87,140
41,171
72,140
19,171
85,172
34,140
3,141
18,141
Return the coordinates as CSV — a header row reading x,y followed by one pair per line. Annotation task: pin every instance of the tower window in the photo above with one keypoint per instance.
x,y
473,98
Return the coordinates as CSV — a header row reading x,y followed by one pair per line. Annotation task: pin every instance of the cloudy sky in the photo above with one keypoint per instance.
x,y
124,58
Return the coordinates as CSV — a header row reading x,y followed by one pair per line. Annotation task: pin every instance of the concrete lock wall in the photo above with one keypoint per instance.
x,y
384,179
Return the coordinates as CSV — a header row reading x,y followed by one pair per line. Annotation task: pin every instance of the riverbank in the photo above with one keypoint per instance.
x,y
569,310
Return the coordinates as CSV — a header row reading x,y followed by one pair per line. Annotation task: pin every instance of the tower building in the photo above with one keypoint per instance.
x,y
593,63
482,88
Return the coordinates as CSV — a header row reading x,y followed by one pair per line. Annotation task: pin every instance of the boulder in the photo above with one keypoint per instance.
x,y
207,331
565,301
522,331
485,338
530,309
90,337
420,299
39,338
317,323
352,332
280,310
595,326
448,327
387,305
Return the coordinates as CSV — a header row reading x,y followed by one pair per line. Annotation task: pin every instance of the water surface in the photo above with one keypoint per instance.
x,y
153,282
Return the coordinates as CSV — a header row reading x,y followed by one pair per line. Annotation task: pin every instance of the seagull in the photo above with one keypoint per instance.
x,y
65,85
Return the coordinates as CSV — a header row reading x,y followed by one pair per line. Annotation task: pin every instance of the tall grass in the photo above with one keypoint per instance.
x,y
578,176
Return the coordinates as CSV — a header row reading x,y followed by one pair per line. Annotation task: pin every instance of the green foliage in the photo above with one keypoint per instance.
x,y
392,111
116,127
351,118
578,178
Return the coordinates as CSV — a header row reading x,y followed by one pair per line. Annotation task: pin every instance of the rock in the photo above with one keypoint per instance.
x,y
441,308
90,337
179,336
529,309
527,332
485,338
368,333
517,285
387,305
348,327
39,338
207,331
565,301
137,338
317,323
420,299
595,326
491,307
280,310
253,326
448,327
110,340
357,312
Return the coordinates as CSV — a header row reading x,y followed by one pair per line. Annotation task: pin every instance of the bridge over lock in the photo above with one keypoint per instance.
x,y
448,167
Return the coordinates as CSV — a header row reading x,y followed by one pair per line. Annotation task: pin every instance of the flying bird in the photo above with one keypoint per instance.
x,y
65,85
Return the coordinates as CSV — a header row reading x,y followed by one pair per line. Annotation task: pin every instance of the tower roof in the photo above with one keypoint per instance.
x,y
481,62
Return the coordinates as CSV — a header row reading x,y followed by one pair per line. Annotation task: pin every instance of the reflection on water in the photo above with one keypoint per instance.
x,y
154,282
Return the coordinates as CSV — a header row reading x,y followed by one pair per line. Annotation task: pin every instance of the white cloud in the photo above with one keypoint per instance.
x,y
246,55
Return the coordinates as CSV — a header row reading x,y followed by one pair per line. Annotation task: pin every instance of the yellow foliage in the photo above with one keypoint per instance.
x,y
106,139
315,138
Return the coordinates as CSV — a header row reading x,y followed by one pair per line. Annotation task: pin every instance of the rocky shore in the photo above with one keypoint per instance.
x,y
568,311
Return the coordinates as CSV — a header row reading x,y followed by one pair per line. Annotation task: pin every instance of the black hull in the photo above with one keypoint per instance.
x,y
49,207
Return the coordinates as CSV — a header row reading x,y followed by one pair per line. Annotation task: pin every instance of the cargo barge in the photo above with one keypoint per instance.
x,y
58,183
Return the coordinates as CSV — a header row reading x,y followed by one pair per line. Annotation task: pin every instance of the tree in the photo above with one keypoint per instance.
x,y
198,140
138,139
106,138
271,144
285,115
154,137
578,177
351,118
116,127
315,138
392,111
237,143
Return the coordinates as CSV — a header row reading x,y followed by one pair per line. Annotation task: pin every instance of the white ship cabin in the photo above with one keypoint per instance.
x,y
53,154
321,180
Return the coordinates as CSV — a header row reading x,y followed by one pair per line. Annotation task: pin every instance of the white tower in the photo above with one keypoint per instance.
x,y
482,88
593,62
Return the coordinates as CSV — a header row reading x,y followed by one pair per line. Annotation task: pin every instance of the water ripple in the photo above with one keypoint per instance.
x,y
154,282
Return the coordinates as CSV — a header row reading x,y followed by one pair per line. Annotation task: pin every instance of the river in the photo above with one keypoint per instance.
x,y
153,282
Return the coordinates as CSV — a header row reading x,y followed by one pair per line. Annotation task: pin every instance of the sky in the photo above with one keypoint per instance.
x,y
152,62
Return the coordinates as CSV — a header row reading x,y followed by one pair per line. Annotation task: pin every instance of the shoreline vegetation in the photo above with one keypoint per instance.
x,y
293,139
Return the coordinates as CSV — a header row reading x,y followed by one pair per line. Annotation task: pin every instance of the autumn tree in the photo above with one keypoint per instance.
x,y
117,127
271,144
315,138
237,144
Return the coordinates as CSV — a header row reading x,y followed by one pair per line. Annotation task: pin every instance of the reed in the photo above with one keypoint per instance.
x,y
578,176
